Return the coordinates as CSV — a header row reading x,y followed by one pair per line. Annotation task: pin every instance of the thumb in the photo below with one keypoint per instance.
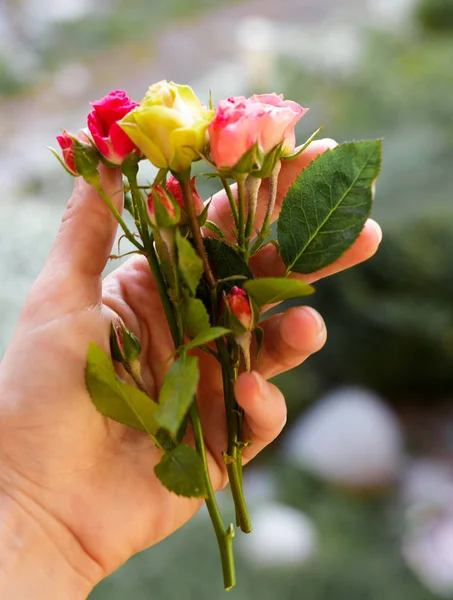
x,y
86,236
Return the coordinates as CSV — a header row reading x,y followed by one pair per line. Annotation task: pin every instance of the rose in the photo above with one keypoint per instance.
x,y
239,124
240,307
107,136
173,186
162,210
169,126
79,157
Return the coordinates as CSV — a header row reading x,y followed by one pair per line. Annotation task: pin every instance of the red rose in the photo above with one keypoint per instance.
x,y
239,123
239,304
167,216
175,190
67,142
107,135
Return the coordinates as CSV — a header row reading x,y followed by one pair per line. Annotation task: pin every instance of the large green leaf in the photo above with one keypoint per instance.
x,y
177,393
195,316
225,261
268,290
327,206
181,472
190,264
115,399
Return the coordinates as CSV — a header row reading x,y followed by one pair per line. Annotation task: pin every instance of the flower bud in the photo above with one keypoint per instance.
x,y
173,186
240,307
124,345
169,126
79,156
163,211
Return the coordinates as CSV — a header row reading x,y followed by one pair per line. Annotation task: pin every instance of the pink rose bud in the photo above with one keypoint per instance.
x,y
240,124
109,138
175,190
124,345
79,156
162,211
239,305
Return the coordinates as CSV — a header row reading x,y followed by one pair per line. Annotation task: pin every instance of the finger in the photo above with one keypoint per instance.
x,y
289,339
84,241
268,263
265,411
220,211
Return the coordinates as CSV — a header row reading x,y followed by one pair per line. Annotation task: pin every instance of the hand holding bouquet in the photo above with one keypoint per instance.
x,y
204,268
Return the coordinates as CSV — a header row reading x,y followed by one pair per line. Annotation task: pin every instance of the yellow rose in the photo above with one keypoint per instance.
x,y
169,126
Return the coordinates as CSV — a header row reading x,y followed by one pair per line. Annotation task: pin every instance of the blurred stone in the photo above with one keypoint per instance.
x,y
282,536
351,438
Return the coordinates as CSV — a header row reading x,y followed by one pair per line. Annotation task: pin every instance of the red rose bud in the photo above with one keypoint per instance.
x,y
162,210
124,345
240,307
173,186
108,137
79,156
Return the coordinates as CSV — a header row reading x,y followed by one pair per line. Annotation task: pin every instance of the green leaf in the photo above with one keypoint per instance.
x,y
214,228
190,264
181,472
207,336
195,316
225,261
117,400
327,206
268,290
177,393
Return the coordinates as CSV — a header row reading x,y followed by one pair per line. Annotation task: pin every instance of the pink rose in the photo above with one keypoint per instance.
x,y
175,190
107,135
240,123
239,304
66,141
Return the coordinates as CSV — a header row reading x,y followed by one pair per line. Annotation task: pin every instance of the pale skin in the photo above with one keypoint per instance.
x,y
78,496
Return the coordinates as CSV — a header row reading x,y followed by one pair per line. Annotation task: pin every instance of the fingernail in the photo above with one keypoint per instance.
x,y
261,384
377,229
321,326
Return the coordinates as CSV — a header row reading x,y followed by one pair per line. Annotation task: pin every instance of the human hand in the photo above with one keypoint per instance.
x,y
82,486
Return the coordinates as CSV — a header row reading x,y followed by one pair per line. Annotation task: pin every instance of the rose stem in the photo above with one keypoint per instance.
x,y
273,188
252,185
241,202
232,201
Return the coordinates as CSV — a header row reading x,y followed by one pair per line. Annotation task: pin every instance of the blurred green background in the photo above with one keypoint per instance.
x,y
356,499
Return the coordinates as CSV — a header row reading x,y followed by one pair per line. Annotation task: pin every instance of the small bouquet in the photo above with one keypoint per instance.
x,y
210,297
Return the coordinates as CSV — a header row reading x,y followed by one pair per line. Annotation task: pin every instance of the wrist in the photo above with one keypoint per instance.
x,y
39,557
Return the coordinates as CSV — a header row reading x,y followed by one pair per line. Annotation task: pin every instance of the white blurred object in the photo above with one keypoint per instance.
x,y
428,538
282,536
350,437
255,37
391,13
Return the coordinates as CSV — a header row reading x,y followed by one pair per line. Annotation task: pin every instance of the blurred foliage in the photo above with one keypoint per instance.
x,y
436,15
358,556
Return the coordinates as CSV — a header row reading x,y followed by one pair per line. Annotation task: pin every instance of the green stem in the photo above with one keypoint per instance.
x,y
224,537
253,185
127,232
161,288
139,205
241,218
273,188
233,457
232,201
184,181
